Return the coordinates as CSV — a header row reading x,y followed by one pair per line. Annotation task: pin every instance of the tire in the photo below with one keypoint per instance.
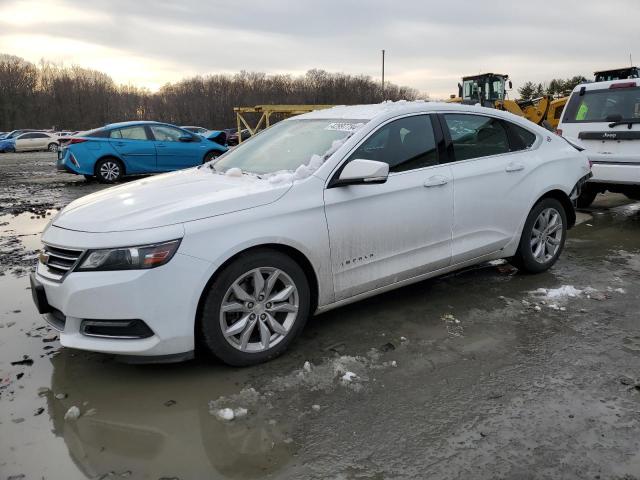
x,y
253,317
211,156
89,178
52,147
109,170
531,257
587,196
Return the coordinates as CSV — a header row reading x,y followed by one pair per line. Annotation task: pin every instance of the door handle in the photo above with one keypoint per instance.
x,y
514,167
436,181
120,144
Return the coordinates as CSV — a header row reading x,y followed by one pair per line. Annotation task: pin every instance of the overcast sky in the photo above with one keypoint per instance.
x,y
429,44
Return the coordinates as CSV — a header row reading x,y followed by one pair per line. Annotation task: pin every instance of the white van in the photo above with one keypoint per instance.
x,y
604,119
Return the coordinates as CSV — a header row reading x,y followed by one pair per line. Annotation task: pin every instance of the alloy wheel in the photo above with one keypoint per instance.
x,y
546,235
53,147
110,171
259,309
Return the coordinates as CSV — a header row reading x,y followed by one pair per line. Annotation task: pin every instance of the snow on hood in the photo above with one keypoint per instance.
x,y
167,199
307,169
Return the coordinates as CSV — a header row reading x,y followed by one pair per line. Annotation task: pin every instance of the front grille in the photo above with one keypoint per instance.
x,y
58,261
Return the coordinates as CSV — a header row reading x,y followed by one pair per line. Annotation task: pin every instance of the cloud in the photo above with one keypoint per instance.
x,y
429,44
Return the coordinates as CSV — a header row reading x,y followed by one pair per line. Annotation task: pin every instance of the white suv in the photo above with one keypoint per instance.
x,y
318,211
604,119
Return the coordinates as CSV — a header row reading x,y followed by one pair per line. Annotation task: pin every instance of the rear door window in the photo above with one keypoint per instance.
x,y
524,138
475,136
129,133
606,105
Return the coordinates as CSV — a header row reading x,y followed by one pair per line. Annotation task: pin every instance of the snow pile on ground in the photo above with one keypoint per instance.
x,y
560,293
345,371
72,414
234,406
453,325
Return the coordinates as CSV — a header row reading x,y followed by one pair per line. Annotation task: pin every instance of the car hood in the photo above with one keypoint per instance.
x,y
166,200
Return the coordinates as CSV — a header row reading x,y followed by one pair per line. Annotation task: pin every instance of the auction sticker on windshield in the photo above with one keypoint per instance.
x,y
344,126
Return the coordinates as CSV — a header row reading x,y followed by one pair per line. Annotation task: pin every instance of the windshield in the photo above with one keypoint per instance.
x,y
610,105
288,145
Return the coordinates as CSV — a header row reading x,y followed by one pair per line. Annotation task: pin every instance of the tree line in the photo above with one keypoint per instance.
x,y
557,87
74,98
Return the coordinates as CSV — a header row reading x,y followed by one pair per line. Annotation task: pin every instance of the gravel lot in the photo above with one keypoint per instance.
x,y
483,374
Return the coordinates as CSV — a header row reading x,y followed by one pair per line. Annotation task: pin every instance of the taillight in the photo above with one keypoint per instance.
x,y
623,85
559,131
76,140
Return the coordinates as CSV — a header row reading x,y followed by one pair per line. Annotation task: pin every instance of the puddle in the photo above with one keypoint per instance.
x,y
20,240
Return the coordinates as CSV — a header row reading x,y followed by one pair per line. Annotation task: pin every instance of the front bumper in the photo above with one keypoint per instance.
x,y
164,298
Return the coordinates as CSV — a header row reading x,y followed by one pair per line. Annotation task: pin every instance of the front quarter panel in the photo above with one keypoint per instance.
x,y
296,220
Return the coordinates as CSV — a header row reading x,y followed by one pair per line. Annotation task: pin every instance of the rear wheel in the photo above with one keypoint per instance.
x,y
542,238
109,170
53,147
255,308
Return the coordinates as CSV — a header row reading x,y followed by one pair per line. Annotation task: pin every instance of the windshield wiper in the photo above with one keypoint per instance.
x,y
625,122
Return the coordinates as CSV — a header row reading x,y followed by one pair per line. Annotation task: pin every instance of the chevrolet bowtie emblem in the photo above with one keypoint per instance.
x,y
43,257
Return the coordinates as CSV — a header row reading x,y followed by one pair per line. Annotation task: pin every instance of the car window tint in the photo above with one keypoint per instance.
x,y
129,133
405,144
475,136
527,138
25,136
167,134
38,135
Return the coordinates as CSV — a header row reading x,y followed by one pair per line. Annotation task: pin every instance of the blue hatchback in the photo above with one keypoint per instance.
x,y
133,148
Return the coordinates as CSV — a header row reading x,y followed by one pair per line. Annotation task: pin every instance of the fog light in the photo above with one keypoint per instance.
x,y
118,329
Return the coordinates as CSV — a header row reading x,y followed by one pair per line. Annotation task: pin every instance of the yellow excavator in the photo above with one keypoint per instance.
x,y
489,90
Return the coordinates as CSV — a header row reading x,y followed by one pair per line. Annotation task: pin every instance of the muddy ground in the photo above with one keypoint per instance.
x,y
485,374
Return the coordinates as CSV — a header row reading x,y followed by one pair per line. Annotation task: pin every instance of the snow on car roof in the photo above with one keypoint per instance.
x,y
388,109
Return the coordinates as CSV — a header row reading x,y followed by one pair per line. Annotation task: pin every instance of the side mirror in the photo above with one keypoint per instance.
x,y
362,172
185,138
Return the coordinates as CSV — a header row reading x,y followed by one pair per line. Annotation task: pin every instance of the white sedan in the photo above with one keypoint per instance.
x,y
316,212
36,141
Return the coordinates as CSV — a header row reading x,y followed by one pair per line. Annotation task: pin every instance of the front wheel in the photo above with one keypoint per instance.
x,y
109,170
255,308
210,156
542,238
53,147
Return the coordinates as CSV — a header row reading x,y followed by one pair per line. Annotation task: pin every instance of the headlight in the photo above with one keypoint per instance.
x,y
129,258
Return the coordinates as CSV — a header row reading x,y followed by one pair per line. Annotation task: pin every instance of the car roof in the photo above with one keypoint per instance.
x,y
134,122
605,85
386,110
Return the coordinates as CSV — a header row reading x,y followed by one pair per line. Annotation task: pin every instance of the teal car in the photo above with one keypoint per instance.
x,y
135,148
